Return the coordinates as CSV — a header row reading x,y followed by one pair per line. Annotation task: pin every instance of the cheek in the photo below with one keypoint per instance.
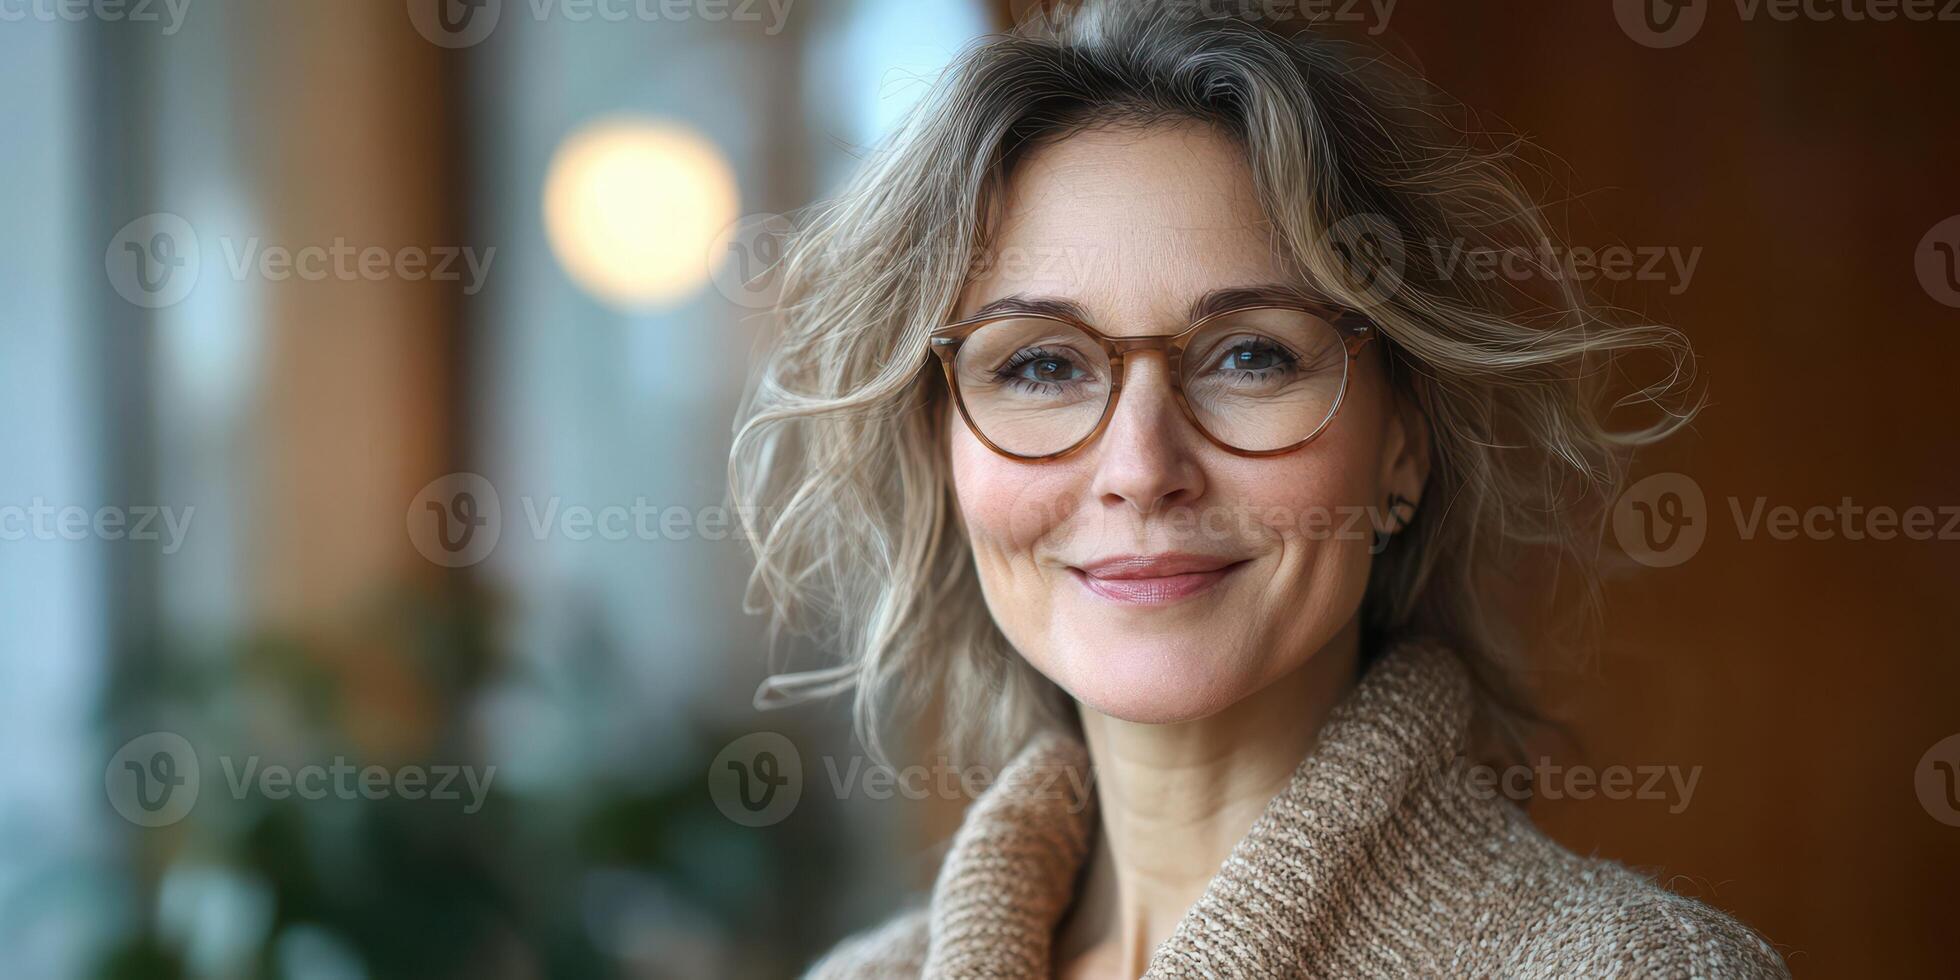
x,y
1317,511
1319,507
1324,496
1009,509
989,488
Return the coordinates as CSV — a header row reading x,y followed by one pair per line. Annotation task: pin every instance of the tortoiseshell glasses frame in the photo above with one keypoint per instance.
x,y
1354,329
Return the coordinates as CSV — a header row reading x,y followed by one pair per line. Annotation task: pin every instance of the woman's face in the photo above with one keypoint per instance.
x,y
1134,225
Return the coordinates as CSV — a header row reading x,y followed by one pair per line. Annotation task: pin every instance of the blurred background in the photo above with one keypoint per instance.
x,y
367,604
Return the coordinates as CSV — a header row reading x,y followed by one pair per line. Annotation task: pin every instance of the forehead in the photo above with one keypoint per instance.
x,y
1131,223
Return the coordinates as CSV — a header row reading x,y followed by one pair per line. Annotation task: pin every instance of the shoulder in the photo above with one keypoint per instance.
x,y
1600,918
895,948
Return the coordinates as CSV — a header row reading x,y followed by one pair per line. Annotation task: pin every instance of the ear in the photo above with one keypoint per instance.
x,y
1405,461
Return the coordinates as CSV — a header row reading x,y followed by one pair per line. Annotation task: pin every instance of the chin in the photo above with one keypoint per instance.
x,y
1150,682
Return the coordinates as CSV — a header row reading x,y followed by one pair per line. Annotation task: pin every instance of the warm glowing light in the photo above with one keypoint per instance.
x,y
632,206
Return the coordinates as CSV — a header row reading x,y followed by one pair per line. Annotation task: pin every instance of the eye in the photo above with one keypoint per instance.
x,y
1038,365
1255,355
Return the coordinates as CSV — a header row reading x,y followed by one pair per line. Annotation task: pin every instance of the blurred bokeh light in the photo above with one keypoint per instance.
x,y
631,207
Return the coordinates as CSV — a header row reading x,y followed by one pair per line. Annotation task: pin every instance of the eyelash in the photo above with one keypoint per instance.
x,y
1022,358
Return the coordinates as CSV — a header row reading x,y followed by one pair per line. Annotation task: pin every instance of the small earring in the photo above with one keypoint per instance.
x,y
1395,504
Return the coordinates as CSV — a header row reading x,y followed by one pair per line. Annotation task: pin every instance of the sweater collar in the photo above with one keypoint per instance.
x,y
1384,750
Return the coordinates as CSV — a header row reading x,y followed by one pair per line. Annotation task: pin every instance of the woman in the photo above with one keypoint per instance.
x,y
1123,402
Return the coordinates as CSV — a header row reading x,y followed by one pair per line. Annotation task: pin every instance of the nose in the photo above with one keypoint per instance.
x,y
1146,457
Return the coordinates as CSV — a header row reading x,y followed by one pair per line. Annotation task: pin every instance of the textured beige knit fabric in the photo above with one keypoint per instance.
x,y
1381,858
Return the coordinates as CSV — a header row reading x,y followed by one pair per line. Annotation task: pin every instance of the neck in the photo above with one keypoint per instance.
x,y
1175,799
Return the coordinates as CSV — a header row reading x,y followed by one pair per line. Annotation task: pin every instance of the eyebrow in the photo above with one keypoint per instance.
x,y
1214,301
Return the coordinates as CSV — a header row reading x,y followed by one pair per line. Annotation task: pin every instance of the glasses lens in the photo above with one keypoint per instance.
x,y
1261,380
1031,385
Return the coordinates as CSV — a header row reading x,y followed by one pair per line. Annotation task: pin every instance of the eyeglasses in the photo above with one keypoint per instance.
x,y
1256,380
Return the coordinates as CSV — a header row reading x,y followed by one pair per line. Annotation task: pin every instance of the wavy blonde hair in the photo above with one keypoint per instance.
x,y
838,466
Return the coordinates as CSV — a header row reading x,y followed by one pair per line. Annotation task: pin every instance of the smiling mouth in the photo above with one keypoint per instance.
x,y
1132,588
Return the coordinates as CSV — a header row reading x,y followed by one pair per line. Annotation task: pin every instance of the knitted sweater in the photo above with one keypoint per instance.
x,y
1381,858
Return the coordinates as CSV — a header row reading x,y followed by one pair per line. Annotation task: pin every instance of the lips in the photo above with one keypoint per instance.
x,y
1154,579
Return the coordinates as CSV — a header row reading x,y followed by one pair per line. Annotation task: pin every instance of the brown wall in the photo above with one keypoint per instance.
x,y
1807,678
